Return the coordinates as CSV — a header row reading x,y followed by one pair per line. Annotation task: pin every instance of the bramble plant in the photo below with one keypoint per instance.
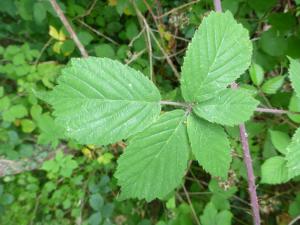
x,y
100,101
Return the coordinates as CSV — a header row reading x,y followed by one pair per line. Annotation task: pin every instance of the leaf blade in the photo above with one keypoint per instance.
x,y
210,146
293,155
101,101
156,159
219,53
231,107
274,171
294,73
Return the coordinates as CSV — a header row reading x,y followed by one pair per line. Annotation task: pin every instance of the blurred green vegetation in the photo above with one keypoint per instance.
x,y
48,179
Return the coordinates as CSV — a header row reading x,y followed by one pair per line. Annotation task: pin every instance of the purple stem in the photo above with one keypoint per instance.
x,y
218,6
250,175
246,154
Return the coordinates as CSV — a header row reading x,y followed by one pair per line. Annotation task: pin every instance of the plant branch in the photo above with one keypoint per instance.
x,y
218,6
171,64
178,8
246,155
67,25
294,220
97,32
250,175
273,111
191,205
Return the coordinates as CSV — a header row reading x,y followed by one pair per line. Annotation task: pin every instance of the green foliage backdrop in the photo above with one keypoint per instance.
x,y
65,155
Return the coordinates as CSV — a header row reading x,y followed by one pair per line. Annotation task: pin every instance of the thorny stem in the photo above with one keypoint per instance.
x,y
246,154
67,25
250,175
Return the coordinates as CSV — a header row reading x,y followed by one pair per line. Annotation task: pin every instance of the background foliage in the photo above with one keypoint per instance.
x,y
54,180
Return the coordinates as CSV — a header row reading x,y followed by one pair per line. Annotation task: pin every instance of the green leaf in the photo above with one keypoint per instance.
x,y
85,37
274,171
283,22
272,85
294,73
261,6
36,111
156,159
96,202
293,45
272,43
209,145
219,53
104,50
212,217
67,47
39,12
230,107
294,206
51,166
27,125
256,74
293,155
95,218
50,131
280,140
15,112
4,103
294,106
101,101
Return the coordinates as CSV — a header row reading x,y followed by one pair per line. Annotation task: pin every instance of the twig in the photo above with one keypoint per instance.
x,y
166,56
273,111
140,15
246,154
136,37
145,27
90,9
42,51
170,56
149,46
178,8
135,56
174,36
36,206
191,206
97,32
294,220
67,25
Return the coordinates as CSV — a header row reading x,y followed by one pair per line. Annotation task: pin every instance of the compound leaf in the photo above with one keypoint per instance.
x,y
101,101
294,73
293,155
274,170
156,159
219,53
230,107
210,146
